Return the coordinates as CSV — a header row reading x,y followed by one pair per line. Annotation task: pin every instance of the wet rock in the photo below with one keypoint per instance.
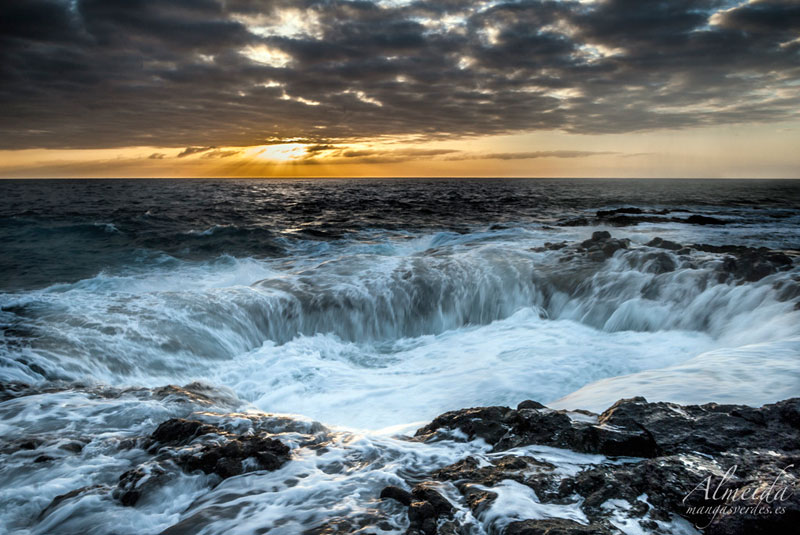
x,y
664,244
178,430
659,263
601,235
477,498
226,460
608,213
422,517
574,222
703,220
557,526
488,423
192,446
624,220
612,246
134,482
72,446
426,492
61,498
671,450
396,493
530,404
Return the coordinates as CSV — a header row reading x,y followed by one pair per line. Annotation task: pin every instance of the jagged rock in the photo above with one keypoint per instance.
x,y
426,492
134,482
575,222
601,235
226,460
186,444
674,449
478,499
704,220
659,263
607,213
178,430
487,423
530,404
557,526
396,493
664,244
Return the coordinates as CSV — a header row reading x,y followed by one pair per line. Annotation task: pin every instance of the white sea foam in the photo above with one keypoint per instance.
x,y
369,336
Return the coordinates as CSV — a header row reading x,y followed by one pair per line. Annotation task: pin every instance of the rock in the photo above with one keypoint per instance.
x,y
664,244
61,498
134,482
703,220
607,213
192,445
487,423
178,430
556,526
226,460
422,516
396,493
478,499
530,404
671,450
575,222
612,246
426,492
659,263
601,235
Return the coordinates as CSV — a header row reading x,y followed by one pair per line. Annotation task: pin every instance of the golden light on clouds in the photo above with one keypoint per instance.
x,y
701,152
279,153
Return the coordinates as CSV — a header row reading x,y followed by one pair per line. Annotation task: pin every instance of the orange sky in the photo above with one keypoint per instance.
x,y
747,151
593,88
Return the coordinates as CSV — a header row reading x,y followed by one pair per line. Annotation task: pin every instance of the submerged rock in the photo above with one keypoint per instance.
x,y
193,445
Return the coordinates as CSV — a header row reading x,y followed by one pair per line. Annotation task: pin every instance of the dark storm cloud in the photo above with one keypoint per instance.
x,y
209,73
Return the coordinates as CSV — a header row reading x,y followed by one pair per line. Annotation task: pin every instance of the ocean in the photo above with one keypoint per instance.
x,y
355,311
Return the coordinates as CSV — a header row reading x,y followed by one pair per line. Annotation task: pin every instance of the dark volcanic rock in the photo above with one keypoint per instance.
x,y
178,430
426,492
686,460
193,445
488,423
557,526
396,493
664,244
659,263
608,213
703,220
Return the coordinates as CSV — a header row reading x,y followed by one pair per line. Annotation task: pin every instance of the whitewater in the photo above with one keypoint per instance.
x,y
350,313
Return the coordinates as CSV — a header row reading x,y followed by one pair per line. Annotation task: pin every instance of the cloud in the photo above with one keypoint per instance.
x,y
110,73
188,151
157,156
218,153
540,154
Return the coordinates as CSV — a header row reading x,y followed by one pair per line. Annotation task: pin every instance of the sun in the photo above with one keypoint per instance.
x,y
285,152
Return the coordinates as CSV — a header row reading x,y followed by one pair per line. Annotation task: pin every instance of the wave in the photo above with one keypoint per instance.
x,y
160,324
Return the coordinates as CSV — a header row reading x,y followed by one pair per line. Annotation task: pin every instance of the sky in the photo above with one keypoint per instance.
x,y
283,88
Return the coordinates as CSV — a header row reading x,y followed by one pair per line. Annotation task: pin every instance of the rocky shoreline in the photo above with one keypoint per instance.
x,y
682,460
653,468
656,468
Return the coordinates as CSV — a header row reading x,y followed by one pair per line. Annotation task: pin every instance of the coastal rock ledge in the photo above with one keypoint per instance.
x,y
660,468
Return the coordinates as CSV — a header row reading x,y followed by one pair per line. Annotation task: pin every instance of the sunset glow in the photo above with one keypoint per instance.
x,y
394,88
